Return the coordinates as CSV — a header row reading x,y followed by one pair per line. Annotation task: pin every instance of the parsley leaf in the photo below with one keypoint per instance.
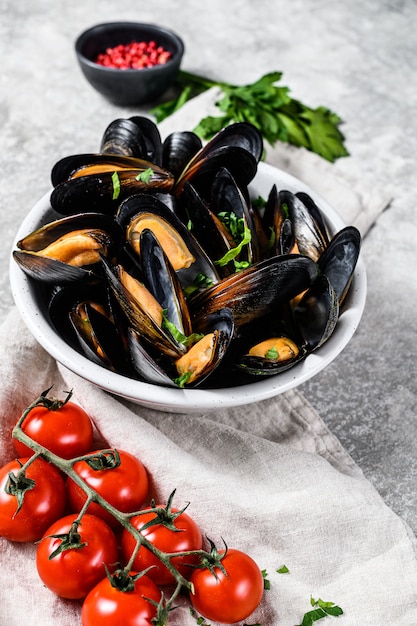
x,y
283,570
234,252
116,185
177,334
146,175
268,106
321,609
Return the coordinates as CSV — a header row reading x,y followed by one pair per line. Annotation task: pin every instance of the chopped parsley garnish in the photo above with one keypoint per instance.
x,y
145,176
182,380
321,609
272,354
201,281
116,185
234,252
177,334
283,570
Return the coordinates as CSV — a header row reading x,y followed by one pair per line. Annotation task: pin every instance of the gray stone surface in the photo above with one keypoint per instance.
x,y
358,58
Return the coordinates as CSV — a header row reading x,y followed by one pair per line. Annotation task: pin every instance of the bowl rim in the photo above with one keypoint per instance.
x,y
156,28
189,400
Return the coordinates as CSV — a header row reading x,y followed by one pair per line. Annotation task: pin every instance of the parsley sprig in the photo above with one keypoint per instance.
x,y
268,106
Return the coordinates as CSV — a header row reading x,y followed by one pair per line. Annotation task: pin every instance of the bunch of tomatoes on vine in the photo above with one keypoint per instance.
x,y
98,542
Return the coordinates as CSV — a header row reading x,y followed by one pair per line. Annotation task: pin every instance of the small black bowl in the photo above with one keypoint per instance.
x,y
127,87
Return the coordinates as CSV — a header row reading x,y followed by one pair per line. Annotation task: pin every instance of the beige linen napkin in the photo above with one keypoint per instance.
x,y
269,478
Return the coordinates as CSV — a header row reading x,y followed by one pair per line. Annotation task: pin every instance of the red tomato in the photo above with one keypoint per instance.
x,y
64,429
188,538
125,486
42,504
232,598
75,571
106,605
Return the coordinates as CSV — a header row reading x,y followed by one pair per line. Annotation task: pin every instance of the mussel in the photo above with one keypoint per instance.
x,y
68,249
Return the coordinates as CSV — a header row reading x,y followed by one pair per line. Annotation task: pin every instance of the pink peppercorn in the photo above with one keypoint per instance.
x,y
135,55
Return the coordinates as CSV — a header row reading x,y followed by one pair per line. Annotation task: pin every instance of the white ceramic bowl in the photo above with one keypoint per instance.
x,y
33,312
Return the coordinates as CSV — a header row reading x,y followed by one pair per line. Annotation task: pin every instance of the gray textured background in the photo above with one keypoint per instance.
x,y
358,58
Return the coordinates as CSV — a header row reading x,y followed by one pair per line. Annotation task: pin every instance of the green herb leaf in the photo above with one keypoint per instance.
x,y
182,380
116,185
268,106
177,334
267,583
321,609
146,175
283,570
201,281
234,252
272,354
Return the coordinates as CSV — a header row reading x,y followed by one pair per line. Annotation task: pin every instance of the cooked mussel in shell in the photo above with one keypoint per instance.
x,y
68,249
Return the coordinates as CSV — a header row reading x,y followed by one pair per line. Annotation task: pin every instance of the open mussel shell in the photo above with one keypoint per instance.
x,y
238,147
241,164
52,231
163,282
68,250
151,368
269,345
308,233
316,313
207,228
138,316
339,260
99,337
240,134
53,272
178,149
182,249
251,293
204,360
99,182
228,200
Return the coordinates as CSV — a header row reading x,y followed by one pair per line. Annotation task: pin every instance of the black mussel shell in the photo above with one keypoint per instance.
x,y
202,171
241,134
178,149
316,313
50,232
206,227
139,318
87,183
53,272
124,137
307,231
253,292
163,282
339,260
151,138
152,368
227,199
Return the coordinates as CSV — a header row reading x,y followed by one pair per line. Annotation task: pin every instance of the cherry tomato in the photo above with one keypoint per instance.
x,y
63,428
73,572
188,538
232,598
124,485
107,605
43,502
